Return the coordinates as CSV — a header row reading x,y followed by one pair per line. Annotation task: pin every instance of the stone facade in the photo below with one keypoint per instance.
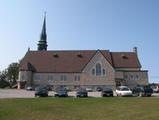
x,y
103,80
89,78
134,78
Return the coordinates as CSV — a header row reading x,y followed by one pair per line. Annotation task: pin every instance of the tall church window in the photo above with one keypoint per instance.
x,y
63,77
98,69
38,77
93,71
137,77
23,77
50,77
77,78
103,71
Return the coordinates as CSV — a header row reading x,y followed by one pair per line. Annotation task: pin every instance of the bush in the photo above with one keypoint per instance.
x,y
4,84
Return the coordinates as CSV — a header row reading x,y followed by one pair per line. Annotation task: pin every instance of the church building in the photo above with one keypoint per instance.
x,y
79,68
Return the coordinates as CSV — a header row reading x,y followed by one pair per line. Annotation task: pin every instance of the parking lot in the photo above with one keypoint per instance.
x,y
14,93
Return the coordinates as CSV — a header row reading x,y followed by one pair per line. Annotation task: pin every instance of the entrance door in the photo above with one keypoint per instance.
x,y
120,82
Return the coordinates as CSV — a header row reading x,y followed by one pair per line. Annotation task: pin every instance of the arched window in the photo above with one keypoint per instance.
x,y
93,71
98,69
103,71
23,77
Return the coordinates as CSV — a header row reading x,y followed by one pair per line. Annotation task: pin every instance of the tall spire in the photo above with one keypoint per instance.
x,y
42,45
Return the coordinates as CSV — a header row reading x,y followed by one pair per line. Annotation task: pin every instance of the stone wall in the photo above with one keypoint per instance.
x,y
136,78
102,80
25,77
57,80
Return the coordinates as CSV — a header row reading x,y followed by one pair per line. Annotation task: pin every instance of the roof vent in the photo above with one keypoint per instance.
x,y
124,56
56,55
79,55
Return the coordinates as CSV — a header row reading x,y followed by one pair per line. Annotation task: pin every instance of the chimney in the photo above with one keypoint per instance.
x,y
135,50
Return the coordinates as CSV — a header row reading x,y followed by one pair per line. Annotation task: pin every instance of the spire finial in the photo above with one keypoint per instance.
x,y
45,14
42,45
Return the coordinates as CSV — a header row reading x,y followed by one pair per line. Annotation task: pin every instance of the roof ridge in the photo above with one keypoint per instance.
x,y
65,50
89,60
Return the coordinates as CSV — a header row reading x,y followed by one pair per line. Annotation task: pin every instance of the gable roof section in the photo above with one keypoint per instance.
x,y
73,61
125,60
106,55
57,61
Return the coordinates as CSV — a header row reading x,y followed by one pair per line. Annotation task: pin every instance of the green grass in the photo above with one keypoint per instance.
x,y
116,108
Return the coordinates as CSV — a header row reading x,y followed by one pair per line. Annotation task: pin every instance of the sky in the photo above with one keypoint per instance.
x,y
115,25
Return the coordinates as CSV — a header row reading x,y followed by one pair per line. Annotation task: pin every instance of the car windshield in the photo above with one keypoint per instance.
x,y
81,91
148,90
107,89
62,91
125,89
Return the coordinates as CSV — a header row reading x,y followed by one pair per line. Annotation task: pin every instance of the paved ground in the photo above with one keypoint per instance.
x,y
14,93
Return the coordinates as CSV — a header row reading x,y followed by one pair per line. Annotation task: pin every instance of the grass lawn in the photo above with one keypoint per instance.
x,y
116,108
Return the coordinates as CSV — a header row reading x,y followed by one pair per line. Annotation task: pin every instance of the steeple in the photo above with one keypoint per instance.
x,y
42,45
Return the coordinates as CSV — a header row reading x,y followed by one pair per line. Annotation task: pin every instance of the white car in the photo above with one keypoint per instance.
x,y
123,91
156,89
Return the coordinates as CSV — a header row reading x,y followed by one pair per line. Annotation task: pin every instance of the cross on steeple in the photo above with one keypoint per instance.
x,y
42,45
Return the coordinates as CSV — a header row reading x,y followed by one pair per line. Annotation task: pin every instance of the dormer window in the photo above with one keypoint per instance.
x,y
56,55
79,55
124,56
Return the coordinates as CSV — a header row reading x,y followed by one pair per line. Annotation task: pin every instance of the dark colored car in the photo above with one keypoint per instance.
x,y
142,91
61,93
41,91
107,92
81,92
99,89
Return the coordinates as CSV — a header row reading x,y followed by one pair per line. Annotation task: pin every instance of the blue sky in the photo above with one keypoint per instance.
x,y
117,25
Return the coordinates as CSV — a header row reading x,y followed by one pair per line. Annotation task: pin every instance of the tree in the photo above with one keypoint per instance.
x,y
13,72
3,79
9,76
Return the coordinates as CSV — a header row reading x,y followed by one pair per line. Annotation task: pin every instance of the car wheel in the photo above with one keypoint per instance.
x,y
120,94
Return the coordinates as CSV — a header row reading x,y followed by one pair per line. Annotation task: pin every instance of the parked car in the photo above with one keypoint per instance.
x,y
107,92
123,91
99,89
61,93
29,88
156,89
89,89
142,91
41,91
49,88
81,92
